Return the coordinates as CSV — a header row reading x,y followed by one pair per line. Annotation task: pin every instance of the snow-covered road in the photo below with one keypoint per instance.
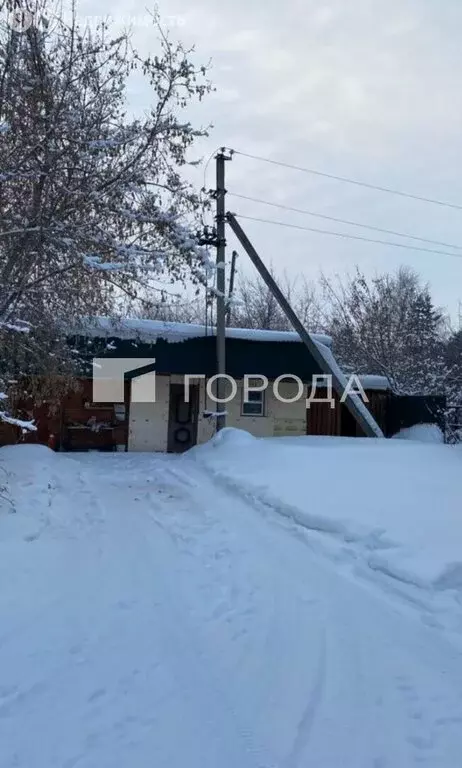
x,y
150,616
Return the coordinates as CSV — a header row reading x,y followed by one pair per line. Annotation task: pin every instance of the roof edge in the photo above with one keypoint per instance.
x,y
134,329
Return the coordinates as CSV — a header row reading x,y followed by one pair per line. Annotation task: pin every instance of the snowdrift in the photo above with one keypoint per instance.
x,y
31,473
423,433
46,501
395,503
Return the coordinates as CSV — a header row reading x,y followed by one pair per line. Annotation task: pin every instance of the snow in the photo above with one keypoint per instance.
x,y
19,326
186,612
423,433
150,330
28,426
381,506
370,381
95,262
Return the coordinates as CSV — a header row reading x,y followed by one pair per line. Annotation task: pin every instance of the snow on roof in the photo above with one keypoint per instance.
x,y
370,381
133,329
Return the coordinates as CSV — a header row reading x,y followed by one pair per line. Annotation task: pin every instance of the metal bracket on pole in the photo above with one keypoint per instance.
x,y
356,407
207,237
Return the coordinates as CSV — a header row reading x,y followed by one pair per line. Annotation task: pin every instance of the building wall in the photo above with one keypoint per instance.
x,y
77,411
68,423
146,428
279,418
148,422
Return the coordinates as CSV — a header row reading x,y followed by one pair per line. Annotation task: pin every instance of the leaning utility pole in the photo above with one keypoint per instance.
x,y
221,287
354,405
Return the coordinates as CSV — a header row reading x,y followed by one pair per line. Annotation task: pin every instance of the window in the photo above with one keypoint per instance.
x,y
256,402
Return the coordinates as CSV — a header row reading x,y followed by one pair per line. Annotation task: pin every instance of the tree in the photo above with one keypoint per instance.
x,y
389,326
93,204
454,388
454,351
256,307
175,309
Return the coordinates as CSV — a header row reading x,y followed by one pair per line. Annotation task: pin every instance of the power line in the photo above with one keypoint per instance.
x,y
347,236
206,167
348,180
344,221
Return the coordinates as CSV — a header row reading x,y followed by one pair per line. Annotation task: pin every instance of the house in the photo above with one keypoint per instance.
x,y
183,411
148,386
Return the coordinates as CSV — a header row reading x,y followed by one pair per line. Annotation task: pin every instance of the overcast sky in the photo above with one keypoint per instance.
x,y
365,89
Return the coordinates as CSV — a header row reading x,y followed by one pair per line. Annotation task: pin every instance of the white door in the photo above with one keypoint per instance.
x,y
148,422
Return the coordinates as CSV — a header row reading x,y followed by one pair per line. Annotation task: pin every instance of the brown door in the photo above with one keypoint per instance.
x,y
182,419
321,419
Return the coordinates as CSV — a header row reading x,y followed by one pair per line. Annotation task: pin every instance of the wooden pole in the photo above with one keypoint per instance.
x,y
220,408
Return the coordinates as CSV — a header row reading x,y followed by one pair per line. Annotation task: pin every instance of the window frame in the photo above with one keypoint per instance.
x,y
261,401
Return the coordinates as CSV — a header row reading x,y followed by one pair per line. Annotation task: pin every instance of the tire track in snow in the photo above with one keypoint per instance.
x,y
274,621
197,655
279,635
312,710
180,528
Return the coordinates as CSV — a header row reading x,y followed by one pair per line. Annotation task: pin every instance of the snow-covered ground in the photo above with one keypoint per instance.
x,y
393,506
252,604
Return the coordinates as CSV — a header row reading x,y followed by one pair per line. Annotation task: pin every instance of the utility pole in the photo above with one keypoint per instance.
x,y
231,287
220,392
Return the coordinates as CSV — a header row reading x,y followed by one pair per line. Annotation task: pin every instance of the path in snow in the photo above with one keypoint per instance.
x,y
170,624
